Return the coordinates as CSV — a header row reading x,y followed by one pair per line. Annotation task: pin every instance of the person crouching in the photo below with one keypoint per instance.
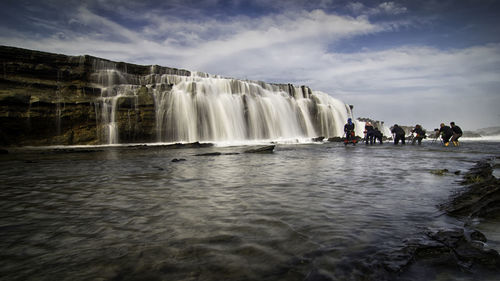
x,y
446,133
399,134
457,133
419,134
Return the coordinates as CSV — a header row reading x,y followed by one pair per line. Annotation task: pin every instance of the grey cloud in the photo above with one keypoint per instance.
x,y
389,8
405,84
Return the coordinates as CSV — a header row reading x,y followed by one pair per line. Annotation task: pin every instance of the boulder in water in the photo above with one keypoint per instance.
x,y
209,154
318,139
439,172
336,139
189,145
264,149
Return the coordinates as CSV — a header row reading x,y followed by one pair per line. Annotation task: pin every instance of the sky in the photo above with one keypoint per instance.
x,y
405,62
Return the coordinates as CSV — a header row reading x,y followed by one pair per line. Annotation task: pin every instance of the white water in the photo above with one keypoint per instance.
x,y
209,108
494,138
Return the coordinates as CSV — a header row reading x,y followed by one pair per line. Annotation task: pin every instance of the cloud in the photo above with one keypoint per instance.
x,y
194,43
278,31
390,8
386,8
418,84
395,84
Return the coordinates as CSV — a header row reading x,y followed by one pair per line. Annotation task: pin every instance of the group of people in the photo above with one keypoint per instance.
x,y
449,133
373,134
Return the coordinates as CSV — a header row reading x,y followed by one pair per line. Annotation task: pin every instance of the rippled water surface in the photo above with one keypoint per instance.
x,y
307,211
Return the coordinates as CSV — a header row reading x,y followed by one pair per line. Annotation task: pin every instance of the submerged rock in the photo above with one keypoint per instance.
x,y
318,139
209,154
189,145
264,149
216,153
458,247
336,139
466,251
439,172
462,248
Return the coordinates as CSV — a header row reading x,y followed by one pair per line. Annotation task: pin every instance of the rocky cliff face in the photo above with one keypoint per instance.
x,y
50,99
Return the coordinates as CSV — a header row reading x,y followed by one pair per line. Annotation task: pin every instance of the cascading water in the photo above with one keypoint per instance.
x,y
203,108
114,84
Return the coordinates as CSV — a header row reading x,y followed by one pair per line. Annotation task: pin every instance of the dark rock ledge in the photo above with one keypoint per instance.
x,y
461,248
481,196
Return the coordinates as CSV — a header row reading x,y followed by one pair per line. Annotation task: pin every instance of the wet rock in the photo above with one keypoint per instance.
x,y
464,250
74,150
264,149
318,139
481,198
216,154
336,139
189,145
144,98
448,246
209,154
482,171
439,172
178,160
477,236
37,88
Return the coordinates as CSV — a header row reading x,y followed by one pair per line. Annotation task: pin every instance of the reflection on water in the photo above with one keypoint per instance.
x,y
304,211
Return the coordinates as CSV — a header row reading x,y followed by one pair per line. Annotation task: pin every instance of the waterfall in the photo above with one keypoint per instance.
x,y
113,84
206,108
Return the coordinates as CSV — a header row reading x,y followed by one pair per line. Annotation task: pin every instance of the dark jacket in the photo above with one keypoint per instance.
x,y
349,127
456,130
419,131
398,131
445,130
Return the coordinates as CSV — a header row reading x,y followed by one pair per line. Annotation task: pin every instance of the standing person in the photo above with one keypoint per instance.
x,y
419,134
446,133
370,132
378,135
349,132
399,134
457,133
